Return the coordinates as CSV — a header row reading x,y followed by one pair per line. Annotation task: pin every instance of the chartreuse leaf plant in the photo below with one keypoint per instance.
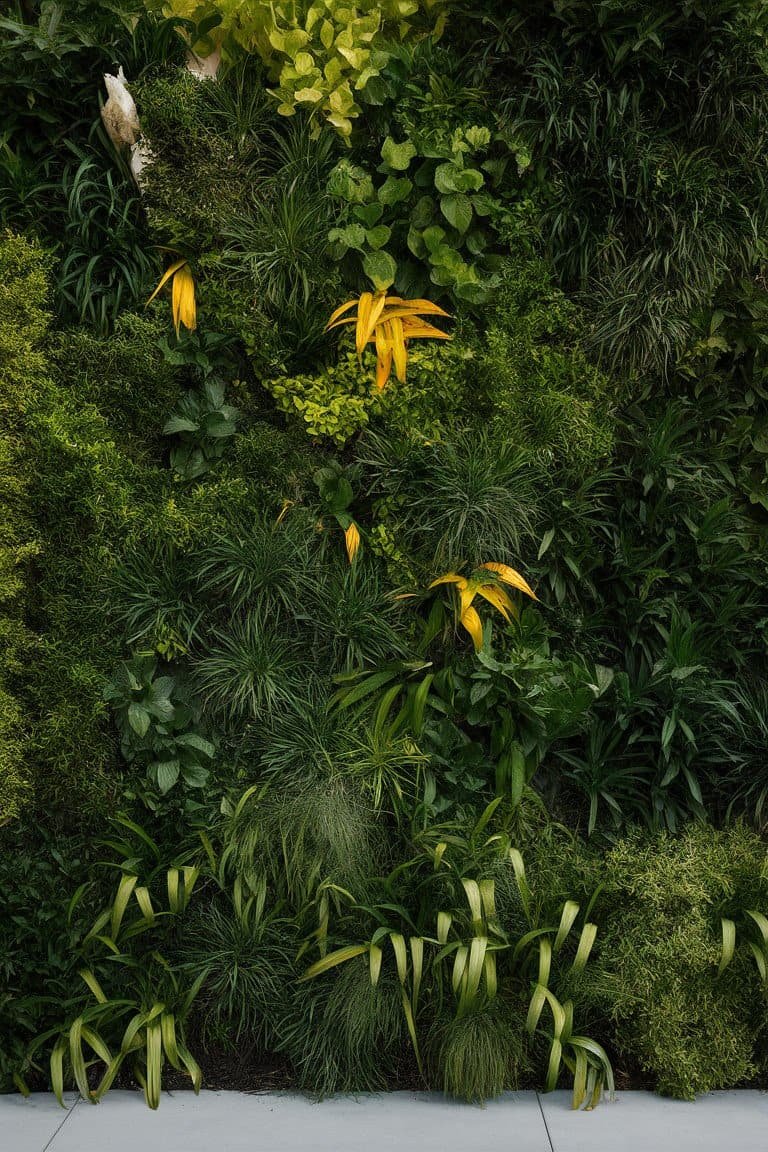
x,y
142,1022
321,56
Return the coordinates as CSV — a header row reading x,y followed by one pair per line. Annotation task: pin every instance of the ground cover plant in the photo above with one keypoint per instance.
x,y
383,491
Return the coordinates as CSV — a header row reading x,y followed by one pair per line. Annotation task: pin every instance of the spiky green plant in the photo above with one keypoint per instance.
x,y
248,670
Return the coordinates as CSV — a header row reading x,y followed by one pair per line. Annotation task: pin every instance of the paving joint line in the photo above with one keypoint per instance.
x,y
544,1121
47,1146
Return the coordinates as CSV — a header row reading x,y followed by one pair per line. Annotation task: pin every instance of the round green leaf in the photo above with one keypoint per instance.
x,y
394,189
380,269
397,156
377,237
457,210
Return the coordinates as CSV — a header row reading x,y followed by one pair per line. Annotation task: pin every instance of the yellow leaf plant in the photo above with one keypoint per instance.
x,y
486,582
182,294
388,322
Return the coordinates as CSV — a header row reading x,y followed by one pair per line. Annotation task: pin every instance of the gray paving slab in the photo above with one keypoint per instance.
x,y
28,1125
236,1122
643,1122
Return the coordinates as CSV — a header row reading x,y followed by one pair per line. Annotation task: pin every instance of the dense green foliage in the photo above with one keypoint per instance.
x,y
409,734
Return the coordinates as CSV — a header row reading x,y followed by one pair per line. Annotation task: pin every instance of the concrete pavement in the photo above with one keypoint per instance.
x,y
396,1122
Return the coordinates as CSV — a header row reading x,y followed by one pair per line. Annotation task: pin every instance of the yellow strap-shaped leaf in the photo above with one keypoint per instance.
x,y
450,578
511,576
340,312
473,625
183,299
399,352
352,541
500,600
171,270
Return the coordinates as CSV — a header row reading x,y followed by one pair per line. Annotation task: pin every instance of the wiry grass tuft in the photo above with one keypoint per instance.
x,y
479,1055
249,671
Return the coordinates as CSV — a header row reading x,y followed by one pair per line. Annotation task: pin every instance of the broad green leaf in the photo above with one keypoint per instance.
x,y
394,190
138,719
380,269
378,236
397,156
166,774
457,210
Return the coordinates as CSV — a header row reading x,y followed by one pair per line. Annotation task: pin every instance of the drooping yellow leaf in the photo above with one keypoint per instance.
x,y
369,311
352,541
334,320
416,329
500,600
511,577
467,595
398,348
284,510
184,307
450,578
388,322
383,354
474,625
362,332
171,270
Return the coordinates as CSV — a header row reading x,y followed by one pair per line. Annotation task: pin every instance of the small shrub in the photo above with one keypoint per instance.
x,y
693,1030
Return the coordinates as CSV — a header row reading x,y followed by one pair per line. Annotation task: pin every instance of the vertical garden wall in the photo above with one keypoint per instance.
x,y
383,441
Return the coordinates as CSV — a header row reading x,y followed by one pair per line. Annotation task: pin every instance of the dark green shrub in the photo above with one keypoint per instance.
x,y
342,1034
126,376
530,366
643,117
39,876
247,959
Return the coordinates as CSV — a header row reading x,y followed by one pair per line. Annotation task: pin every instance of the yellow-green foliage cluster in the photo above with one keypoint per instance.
x,y
543,390
343,399
320,55
73,486
23,325
690,1027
